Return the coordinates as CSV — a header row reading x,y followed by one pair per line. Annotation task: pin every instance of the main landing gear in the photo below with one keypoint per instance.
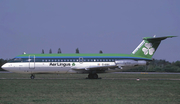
x,y
32,76
92,76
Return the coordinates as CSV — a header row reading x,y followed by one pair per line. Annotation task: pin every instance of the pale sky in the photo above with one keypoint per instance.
x,y
113,26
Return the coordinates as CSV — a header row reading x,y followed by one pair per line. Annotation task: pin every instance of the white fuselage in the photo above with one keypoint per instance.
x,y
54,67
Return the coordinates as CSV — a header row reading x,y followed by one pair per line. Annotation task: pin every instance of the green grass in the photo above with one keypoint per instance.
x,y
75,89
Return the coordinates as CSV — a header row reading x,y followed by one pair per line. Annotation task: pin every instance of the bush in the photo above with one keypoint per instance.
x,y
171,68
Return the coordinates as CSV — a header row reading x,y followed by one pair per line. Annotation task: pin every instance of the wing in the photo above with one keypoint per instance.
x,y
93,67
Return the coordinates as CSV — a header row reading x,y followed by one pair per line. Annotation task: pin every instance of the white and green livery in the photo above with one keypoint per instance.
x,y
84,63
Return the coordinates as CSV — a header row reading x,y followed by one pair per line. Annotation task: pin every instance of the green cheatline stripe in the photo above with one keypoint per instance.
x,y
50,55
128,56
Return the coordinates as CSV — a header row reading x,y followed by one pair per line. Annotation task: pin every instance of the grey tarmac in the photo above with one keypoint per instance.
x,y
106,78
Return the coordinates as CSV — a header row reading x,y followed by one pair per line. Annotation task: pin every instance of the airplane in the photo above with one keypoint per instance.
x,y
92,64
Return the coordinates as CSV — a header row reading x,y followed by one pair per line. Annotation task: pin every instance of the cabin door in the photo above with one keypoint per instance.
x,y
80,60
31,61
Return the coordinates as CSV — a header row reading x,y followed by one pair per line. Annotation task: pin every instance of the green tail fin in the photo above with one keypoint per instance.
x,y
148,46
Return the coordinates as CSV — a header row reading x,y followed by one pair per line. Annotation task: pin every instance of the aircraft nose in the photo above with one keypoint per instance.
x,y
4,67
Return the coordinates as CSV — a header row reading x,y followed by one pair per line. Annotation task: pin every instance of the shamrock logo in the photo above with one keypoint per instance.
x,y
73,64
148,49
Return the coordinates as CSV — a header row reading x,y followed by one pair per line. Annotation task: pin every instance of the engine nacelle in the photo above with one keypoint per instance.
x,y
122,63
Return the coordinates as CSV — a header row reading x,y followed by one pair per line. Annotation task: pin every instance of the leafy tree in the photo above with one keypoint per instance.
x,y
50,51
150,68
137,69
59,50
160,63
100,51
42,51
158,69
160,66
171,68
177,63
77,50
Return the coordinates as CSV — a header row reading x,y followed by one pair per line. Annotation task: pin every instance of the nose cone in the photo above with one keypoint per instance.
x,y
5,67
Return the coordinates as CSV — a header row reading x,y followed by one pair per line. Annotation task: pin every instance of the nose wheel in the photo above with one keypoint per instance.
x,y
32,76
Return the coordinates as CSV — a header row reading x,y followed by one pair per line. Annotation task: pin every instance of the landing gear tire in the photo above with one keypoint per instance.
x,y
32,76
92,76
95,76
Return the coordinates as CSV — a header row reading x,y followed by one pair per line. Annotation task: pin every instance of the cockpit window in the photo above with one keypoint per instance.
x,y
16,60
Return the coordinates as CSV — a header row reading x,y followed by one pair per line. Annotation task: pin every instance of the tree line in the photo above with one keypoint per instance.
x,y
59,51
157,66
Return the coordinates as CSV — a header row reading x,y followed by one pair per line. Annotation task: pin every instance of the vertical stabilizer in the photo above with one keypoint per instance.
x,y
148,46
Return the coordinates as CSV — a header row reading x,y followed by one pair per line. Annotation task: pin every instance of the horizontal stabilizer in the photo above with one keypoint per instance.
x,y
158,38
